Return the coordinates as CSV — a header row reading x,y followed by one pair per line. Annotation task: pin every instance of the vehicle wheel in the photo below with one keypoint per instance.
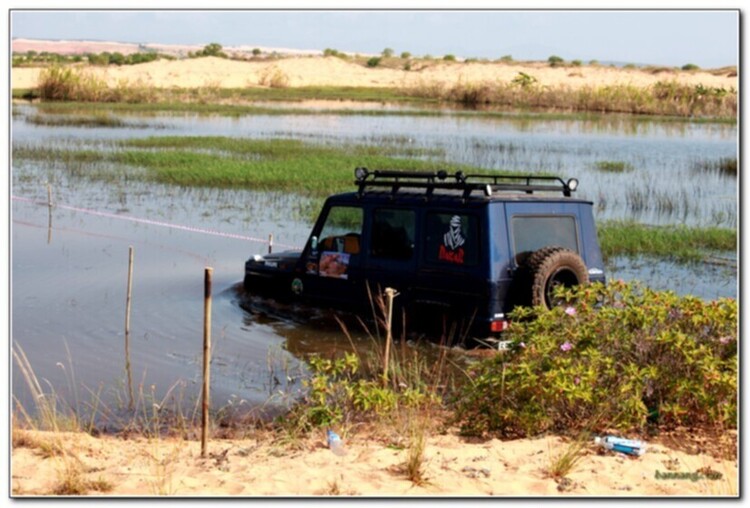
x,y
552,267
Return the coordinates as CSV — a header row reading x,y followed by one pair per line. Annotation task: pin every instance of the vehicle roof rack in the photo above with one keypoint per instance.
x,y
489,184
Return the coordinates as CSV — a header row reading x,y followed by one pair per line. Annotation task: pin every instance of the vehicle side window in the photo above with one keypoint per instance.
x,y
342,230
392,234
452,239
531,233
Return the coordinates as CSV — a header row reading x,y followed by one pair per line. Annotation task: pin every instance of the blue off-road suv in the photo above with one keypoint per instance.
x,y
460,246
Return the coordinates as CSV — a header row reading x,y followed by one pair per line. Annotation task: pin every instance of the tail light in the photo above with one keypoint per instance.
x,y
499,325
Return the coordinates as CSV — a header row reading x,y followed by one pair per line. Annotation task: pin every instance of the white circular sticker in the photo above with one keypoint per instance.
x,y
297,286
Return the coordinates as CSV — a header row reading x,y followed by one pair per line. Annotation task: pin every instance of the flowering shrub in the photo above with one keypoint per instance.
x,y
615,356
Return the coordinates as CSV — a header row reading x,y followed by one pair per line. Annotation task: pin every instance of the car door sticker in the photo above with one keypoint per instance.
x,y
334,264
452,249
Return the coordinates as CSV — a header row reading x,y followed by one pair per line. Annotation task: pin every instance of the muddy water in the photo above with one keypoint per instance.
x,y
69,283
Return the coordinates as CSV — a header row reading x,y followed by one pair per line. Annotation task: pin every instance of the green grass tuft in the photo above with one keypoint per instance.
x,y
613,166
681,243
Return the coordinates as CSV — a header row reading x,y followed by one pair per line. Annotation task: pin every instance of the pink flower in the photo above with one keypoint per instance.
x,y
570,311
726,339
566,346
577,380
522,345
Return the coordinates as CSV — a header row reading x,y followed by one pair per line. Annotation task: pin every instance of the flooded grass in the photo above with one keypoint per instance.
x,y
95,121
613,166
725,166
296,167
660,188
275,165
680,243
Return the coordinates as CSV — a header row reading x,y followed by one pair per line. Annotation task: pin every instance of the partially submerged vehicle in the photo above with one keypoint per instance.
x,y
457,245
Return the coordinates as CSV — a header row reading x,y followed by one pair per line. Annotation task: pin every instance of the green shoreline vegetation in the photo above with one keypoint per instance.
x,y
316,171
430,109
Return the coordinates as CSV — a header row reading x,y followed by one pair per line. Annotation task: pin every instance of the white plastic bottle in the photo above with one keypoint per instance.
x,y
335,443
618,444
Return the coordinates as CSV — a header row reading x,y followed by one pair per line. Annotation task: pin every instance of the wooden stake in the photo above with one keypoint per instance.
x,y
127,329
206,356
389,294
270,243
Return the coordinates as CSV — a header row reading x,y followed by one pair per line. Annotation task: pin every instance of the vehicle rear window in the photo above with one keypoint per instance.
x,y
531,233
452,239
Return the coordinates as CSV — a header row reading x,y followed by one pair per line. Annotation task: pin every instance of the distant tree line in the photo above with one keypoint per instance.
x,y
105,58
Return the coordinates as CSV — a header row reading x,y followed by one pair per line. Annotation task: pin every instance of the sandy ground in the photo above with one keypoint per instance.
x,y
331,71
453,467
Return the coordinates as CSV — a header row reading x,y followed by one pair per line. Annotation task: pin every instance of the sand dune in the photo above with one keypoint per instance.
x,y
453,467
331,71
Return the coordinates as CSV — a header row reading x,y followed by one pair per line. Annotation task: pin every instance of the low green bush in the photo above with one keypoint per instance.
x,y
341,390
618,356
212,49
555,61
524,80
374,61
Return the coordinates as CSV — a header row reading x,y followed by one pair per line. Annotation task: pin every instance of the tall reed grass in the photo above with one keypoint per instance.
x,y
663,98
59,83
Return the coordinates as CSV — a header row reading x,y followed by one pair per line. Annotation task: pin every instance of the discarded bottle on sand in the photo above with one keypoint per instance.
x,y
618,444
335,443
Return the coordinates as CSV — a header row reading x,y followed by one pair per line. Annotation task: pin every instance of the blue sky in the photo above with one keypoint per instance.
x,y
705,38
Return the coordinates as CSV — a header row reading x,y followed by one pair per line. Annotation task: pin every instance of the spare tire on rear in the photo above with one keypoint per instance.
x,y
550,268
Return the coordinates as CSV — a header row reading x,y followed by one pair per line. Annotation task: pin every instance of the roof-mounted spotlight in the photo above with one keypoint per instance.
x,y
572,184
360,173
